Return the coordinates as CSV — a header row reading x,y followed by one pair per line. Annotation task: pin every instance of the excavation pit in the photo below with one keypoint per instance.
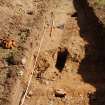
x,y
61,58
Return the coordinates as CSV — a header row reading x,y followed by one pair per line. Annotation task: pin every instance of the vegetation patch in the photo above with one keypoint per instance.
x,y
100,2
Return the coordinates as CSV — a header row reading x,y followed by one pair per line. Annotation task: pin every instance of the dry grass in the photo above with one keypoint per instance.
x,y
100,2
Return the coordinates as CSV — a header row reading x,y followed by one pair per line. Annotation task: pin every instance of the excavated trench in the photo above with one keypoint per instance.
x,y
71,57
92,67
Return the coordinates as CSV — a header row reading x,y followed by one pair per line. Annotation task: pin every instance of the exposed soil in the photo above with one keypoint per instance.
x,y
71,58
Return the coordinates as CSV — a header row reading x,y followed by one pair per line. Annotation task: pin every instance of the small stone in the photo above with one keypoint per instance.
x,y
1,64
46,82
30,94
60,93
61,26
20,73
28,97
24,61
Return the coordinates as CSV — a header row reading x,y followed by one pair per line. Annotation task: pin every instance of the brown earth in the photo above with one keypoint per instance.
x,y
71,56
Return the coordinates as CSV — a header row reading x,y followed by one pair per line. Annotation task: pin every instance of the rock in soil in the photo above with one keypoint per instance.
x,y
60,93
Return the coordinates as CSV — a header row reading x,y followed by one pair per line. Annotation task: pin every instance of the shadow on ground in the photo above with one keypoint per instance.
x,y
92,67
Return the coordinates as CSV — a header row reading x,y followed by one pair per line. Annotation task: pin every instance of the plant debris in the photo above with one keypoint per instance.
x,y
7,43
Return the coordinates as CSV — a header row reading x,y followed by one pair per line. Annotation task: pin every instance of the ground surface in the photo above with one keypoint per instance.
x,y
71,56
